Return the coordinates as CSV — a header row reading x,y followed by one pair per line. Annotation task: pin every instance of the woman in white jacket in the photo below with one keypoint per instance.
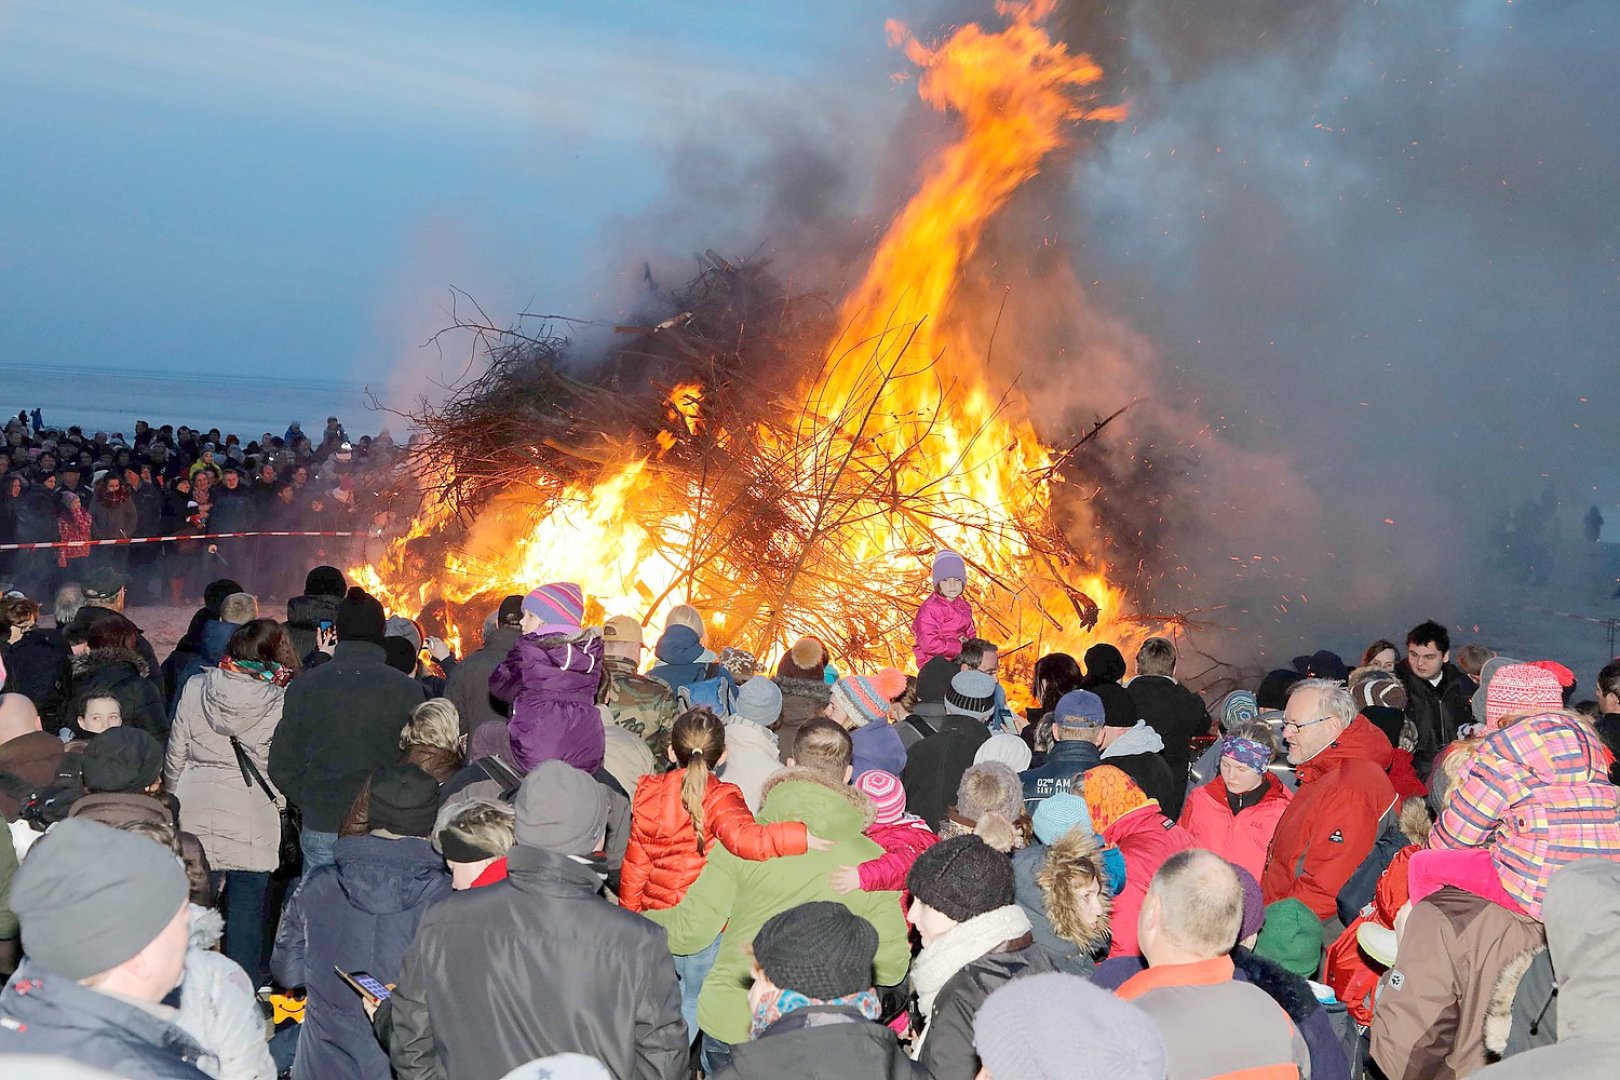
x,y
217,767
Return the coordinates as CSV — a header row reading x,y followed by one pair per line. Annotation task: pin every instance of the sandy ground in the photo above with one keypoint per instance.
x,y
164,625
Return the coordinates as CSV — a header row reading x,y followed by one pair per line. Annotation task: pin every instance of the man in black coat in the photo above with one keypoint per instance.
x,y
813,981
467,686
1169,708
339,723
1438,693
540,963
934,766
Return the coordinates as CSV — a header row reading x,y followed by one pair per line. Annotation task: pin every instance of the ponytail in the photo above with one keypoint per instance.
x,y
697,739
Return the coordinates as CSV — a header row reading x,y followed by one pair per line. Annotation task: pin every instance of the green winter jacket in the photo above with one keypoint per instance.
x,y
738,896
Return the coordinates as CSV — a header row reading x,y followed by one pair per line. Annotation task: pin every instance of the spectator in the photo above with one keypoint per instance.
x,y
801,676
1055,675
474,834
1105,670
935,766
974,938
1067,882
1075,723
235,611
1235,815
432,741
980,655
752,753
1127,819
643,706
1583,902
902,837
1438,693
550,677
1212,1024
1059,1027
467,686
814,1004
359,913
738,896
466,1003
860,705
1170,709
339,724
26,751
323,591
680,655
1341,806
990,805
37,657
114,668
218,757
92,987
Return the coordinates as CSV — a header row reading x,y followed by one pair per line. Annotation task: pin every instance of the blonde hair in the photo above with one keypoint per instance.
x,y
239,607
434,723
1074,862
697,740
688,616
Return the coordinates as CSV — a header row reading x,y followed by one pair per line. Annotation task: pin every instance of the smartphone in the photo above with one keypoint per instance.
x,y
325,626
364,985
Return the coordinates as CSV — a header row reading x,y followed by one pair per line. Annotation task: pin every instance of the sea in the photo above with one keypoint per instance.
x,y
111,400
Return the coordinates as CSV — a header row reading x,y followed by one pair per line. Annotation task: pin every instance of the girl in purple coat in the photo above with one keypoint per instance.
x,y
945,619
551,677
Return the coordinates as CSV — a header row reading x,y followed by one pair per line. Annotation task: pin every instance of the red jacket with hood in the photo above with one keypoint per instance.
x,y
1146,838
1333,820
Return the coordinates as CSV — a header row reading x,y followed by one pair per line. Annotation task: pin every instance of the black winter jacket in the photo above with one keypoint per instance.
x,y
947,1052
360,915
45,1014
37,667
934,767
535,965
1436,711
304,615
821,1042
339,724
467,686
120,674
1177,714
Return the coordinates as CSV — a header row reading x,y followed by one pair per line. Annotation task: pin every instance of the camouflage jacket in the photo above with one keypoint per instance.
x,y
643,706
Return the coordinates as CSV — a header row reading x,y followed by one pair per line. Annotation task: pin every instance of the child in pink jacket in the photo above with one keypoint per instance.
x,y
945,619
902,836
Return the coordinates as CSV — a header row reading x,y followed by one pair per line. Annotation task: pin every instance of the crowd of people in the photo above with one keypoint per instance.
x,y
68,488
325,846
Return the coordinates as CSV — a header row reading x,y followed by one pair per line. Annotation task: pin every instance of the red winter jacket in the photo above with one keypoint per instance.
x,y
1331,824
1243,838
1351,973
662,859
1146,838
902,841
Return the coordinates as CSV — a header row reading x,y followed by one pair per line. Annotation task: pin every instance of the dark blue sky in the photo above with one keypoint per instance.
x,y
290,186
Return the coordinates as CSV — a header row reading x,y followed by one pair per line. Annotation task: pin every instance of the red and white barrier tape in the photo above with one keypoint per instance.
x,y
42,546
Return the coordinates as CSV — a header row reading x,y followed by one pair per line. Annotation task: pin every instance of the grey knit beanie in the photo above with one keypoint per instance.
x,y
91,896
1057,1026
561,809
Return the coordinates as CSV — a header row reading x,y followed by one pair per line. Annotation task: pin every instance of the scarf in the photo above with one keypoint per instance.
x,y
263,670
779,1004
955,950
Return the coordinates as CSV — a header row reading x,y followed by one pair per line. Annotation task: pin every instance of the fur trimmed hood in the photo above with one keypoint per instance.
x,y
1499,1006
857,800
95,659
1059,880
815,689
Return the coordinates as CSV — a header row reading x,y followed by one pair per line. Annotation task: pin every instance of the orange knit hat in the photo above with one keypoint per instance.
x,y
1110,795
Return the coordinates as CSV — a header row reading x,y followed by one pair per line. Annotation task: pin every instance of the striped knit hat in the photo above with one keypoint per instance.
x,y
947,565
972,693
1055,815
560,607
1520,688
888,797
866,697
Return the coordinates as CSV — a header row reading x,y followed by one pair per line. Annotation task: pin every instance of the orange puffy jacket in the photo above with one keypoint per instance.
x,y
663,860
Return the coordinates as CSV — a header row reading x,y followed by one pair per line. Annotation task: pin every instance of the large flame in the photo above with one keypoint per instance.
x,y
902,396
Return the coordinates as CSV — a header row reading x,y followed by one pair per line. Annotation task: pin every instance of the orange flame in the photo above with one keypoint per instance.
x,y
903,393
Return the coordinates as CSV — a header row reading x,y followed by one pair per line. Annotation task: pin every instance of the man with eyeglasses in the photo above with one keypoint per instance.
x,y
1344,794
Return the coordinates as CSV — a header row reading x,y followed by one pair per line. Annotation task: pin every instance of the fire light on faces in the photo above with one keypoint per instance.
x,y
898,443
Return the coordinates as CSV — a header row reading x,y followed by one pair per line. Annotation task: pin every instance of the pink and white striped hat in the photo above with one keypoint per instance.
x,y
884,789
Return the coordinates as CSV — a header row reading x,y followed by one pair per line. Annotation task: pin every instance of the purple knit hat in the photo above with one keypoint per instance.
x,y
1254,902
560,607
948,564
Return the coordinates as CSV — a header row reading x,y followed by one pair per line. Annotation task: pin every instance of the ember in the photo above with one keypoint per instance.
x,y
783,494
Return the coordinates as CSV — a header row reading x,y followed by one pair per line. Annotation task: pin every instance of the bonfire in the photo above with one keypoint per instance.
x,y
789,464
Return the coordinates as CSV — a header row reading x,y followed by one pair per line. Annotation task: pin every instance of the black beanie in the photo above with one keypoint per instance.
x,y
1272,692
360,617
934,679
324,581
121,759
404,800
215,592
962,877
821,949
399,654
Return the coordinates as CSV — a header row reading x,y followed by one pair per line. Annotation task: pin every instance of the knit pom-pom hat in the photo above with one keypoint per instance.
x,y
866,697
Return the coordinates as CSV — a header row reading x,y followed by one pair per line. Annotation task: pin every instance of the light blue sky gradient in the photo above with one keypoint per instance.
x,y
290,186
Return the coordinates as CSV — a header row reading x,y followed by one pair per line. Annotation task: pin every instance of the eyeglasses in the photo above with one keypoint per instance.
x,y
1295,728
